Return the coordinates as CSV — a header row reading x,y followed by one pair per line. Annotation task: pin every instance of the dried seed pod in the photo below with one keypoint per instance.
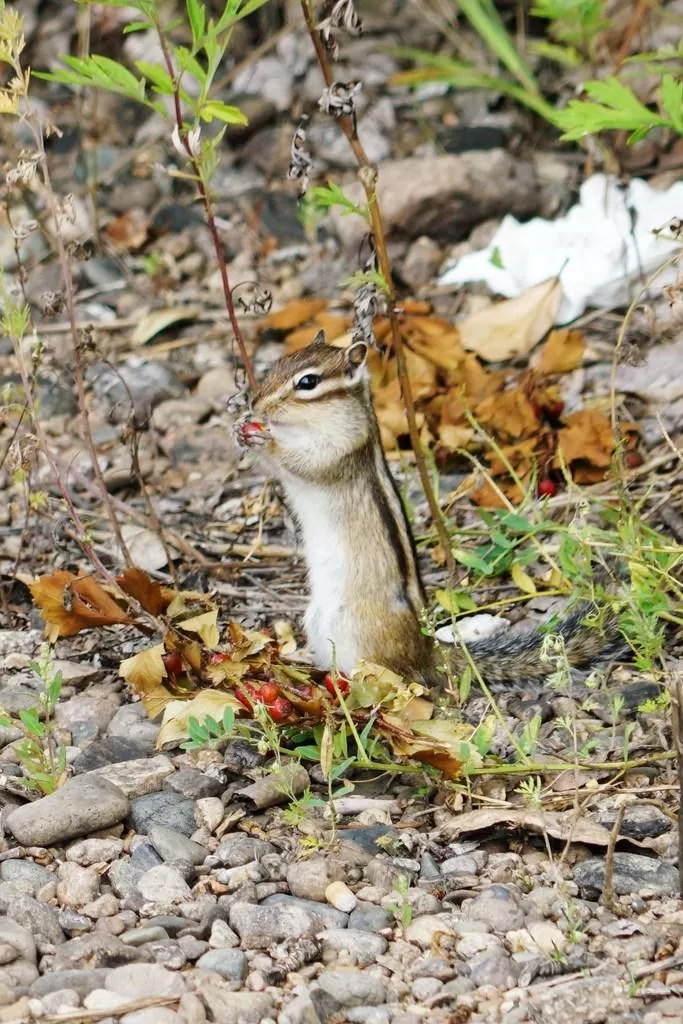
x,y
24,171
338,16
339,99
258,300
51,303
300,162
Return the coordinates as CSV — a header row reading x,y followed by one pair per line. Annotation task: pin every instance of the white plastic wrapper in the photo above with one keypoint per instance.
x,y
598,249
472,627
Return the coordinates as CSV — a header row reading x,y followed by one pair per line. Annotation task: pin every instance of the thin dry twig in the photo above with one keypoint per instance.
x,y
676,690
608,887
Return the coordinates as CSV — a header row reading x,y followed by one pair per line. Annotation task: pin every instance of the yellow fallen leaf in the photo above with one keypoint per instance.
x,y
205,626
145,670
522,579
562,352
285,636
511,328
151,324
177,714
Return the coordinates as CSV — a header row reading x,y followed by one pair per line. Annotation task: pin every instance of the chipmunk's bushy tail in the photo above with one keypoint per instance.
x,y
515,657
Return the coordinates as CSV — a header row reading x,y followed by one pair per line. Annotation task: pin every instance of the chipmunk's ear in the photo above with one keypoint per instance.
x,y
355,357
319,338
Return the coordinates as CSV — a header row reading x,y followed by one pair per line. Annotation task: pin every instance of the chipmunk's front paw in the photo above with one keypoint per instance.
x,y
251,433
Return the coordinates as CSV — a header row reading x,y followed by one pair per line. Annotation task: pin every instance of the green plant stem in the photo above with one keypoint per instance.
x,y
367,175
599,766
204,195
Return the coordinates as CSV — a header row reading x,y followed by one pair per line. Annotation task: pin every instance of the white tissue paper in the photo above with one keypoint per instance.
x,y
598,249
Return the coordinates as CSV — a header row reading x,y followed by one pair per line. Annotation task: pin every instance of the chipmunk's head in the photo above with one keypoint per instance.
x,y
312,409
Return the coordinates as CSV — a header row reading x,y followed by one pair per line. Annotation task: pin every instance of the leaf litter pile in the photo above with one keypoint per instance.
x,y
203,672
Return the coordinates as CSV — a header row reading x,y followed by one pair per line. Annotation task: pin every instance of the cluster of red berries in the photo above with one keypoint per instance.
x,y
268,693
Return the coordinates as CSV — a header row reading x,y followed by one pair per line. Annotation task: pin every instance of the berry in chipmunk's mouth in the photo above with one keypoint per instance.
x,y
253,433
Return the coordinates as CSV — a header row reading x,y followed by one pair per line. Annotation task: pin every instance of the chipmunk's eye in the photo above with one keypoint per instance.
x,y
308,382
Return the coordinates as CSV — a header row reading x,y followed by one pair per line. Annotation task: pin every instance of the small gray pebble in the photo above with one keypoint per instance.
x,y
140,936
368,917
425,988
231,964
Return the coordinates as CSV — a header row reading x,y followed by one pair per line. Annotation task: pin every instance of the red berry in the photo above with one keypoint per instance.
x,y
269,693
245,700
218,657
249,430
633,459
173,663
342,685
279,709
555,410
547,488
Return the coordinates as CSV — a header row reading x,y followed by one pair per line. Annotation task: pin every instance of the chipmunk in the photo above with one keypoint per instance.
x,y
314,423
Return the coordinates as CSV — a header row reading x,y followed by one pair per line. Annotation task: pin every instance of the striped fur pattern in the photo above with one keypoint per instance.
x,y
321,439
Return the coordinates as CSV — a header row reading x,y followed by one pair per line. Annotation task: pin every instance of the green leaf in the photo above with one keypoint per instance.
x,y
197,731
455,601
117,74
189,64
617,109
197,19
212,725
308,752
157,75
234,12
472,561
484,19
31,722
567,56
215,109
136,26
671,95
228,720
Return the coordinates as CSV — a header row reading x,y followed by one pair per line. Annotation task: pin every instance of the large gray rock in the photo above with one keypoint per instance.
x,y
444,197
80,980
139,981
41,919
259,926
168,809
16,942
82,806
348,986
631,872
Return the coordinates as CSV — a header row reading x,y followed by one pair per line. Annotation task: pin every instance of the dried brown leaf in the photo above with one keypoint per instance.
x,y
70,603
586,437
294,314
563,825
509,415
154,598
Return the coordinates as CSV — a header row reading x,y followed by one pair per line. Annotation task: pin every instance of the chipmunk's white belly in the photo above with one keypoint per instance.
x,y
329,621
